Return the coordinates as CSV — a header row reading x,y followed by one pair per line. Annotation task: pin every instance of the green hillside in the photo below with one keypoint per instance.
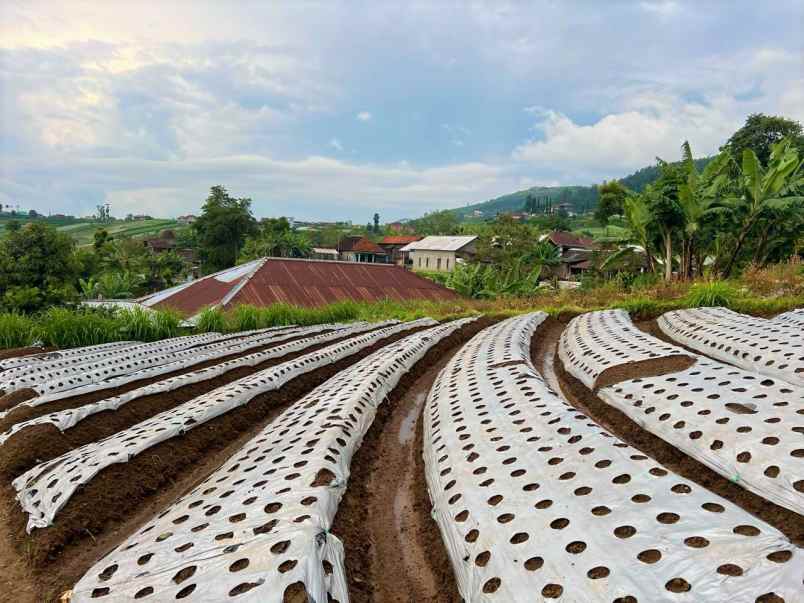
x,y
581,198
83,231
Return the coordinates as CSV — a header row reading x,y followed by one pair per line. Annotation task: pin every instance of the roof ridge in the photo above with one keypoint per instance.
x,y
236,289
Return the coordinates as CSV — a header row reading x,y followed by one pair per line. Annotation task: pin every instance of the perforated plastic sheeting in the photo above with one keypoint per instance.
x,y
755,344
81,371
72,386
31,359
597,341
536,502
261,522
69,360
68,418
793,317
744,426
45,488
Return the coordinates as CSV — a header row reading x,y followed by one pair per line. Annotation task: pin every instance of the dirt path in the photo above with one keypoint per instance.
x,y
394,552
543,349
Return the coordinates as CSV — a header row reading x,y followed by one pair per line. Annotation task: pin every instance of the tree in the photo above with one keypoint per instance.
x,y
100,238
667,217
610,201
37,267
276,243
760,133
376,223
638,217
761,190
222,228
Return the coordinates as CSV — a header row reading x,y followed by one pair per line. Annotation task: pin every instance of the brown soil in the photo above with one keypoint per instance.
x,y
643,368
546,338
24,413
18,397
40,443
114,495
393,548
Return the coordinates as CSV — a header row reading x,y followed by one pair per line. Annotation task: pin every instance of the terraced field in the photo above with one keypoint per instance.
x,y
473,460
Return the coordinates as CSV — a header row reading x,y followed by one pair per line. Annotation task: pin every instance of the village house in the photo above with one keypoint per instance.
x,y
360,249
393,247
439,253
575,254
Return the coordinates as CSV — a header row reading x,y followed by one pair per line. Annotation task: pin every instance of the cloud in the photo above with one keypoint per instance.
x,y
364,116
336,144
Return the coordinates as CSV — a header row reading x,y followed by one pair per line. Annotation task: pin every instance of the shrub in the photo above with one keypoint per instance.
x,y
713,293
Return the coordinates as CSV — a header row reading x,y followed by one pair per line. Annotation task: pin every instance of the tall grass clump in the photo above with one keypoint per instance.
x,y
211,320
65,328
713,293
16,330
139,324
244,318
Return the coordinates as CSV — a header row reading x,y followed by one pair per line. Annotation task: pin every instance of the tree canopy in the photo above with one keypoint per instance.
x,y
222,228
761,132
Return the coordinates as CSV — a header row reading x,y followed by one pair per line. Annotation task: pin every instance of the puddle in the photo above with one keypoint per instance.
x,y
548,370
407,428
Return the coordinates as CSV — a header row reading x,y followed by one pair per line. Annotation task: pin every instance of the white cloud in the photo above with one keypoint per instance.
x,y
364,116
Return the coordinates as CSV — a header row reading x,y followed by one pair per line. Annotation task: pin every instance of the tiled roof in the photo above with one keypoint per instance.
x,y
366,246
399,240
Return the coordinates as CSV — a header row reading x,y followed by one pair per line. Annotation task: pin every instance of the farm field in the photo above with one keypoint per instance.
x,y
83,232
484,458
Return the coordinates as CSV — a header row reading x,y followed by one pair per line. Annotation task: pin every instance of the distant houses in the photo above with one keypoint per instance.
x,y
393,247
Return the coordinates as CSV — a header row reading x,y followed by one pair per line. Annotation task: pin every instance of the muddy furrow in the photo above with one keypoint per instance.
x,y
25,413
543,352
393,548
40,443
114,497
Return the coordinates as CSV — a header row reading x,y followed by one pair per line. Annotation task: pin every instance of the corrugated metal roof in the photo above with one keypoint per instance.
x,y
567,239
307,283
440,243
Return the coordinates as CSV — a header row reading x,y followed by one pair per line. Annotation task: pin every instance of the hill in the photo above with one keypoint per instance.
x,y
581,198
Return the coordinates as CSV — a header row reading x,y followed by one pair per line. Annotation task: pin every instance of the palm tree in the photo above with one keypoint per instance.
x,y
638,217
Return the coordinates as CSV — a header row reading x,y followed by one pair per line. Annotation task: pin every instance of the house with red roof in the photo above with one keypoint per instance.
x,y
393,245
361,249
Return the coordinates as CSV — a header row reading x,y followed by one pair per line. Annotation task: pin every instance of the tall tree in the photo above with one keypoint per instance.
x,y
222,228
760,133
610,201
376,223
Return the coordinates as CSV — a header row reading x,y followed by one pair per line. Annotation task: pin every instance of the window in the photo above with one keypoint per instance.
x,y
438,264
427,262
420,262
447,263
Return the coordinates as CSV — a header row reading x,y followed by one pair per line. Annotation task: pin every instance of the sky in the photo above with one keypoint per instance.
x,y
335,110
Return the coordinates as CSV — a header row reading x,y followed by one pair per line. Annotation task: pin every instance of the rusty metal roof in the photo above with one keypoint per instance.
x,y
399,239
307,283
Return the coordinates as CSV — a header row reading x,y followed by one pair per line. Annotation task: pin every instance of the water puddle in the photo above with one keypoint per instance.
x,y
407,428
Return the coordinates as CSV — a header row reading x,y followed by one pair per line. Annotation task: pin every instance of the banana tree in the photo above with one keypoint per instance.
x,y
776,187
638,217
696,197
